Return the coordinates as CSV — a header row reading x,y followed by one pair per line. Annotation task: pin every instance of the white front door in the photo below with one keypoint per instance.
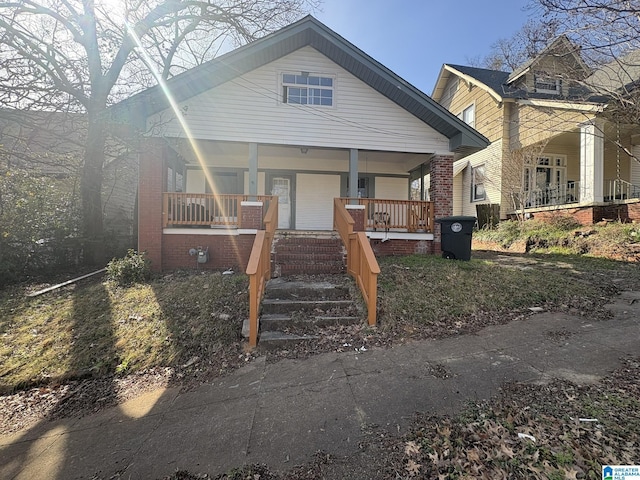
x,y
281,187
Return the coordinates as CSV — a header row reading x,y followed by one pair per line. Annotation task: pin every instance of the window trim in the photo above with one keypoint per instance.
x,y
474,184
285,86
472,108
547,79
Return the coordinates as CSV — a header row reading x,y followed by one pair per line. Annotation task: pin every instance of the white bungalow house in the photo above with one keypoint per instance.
x,y
302,115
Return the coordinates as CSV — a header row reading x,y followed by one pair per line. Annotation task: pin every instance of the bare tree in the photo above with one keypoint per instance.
x,y
80,56
507,54
609,34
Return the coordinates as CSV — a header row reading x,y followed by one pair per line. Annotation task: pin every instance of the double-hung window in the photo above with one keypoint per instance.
x,y
307,89
477,184
468,115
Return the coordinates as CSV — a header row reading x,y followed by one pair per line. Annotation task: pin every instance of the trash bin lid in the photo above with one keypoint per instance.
x,y
459,218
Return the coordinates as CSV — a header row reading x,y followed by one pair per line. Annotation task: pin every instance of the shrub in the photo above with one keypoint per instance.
x,y
133,268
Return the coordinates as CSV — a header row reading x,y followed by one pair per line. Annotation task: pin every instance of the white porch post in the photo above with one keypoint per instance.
x,y
592,162
353,173
253,169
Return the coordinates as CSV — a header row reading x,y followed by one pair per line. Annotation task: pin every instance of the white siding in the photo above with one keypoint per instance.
x,y
249,109
635,166
457,193
392,188
491,158
314,201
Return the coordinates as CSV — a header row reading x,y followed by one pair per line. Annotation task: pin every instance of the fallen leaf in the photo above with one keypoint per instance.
x,y
413,468
411,448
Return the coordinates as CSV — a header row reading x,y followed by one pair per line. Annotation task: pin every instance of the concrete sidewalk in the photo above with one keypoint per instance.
x,y
281,414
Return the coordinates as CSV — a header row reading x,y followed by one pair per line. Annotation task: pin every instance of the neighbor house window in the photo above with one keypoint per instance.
x,y
547,84
307,89
477,184
468,115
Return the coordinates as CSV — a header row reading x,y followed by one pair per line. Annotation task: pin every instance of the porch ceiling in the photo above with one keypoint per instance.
x,y
236,154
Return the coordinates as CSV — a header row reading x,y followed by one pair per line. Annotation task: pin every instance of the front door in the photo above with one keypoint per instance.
x,y
281,187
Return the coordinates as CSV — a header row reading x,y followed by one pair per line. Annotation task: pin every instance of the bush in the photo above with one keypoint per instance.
x,y
133,268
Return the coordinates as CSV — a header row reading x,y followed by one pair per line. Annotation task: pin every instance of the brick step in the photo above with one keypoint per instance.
x,y
307,258
307,241
307,249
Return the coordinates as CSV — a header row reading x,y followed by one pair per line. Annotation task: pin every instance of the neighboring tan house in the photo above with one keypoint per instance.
x,y
302,115
554,150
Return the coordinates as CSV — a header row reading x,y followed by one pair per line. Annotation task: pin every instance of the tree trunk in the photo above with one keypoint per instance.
x,y
91,189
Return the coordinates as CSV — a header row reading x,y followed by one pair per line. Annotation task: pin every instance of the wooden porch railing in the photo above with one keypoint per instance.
x,y
259,267
205,209
361,261
410,215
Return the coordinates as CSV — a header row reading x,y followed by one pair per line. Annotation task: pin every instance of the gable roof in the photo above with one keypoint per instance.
x,y
560,44
502,85
617,77
305,32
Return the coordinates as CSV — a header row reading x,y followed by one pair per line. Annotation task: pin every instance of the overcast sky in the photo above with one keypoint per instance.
x,y
415,37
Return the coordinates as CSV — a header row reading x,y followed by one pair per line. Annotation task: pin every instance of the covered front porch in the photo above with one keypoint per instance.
x,y
589,168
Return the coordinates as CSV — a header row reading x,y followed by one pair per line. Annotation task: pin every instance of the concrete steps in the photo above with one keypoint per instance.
x,y
296,309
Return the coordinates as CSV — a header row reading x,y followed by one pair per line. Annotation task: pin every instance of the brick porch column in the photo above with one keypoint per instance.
x,y
151,176
251,218
441,193
357,213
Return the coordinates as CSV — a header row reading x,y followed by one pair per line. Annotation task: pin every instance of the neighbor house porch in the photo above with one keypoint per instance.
x,y
589,172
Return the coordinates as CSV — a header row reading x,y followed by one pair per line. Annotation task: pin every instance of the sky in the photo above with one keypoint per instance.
x,y
414,38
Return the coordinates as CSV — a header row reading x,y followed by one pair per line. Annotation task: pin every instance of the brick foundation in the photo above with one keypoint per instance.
x,y
225,251
625,212
400,247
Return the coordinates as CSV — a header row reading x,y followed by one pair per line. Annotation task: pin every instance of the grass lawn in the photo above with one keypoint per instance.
x,y
97,329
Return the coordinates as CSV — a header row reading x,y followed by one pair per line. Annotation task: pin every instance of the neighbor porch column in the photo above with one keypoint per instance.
x,y
353,174
441,193
253,169
592,162
151,184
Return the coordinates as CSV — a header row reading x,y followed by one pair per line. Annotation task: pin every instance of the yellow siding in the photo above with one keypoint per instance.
x,y
491,158
488,114
531,124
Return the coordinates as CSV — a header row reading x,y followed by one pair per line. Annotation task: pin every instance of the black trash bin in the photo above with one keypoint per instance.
x,y
456,236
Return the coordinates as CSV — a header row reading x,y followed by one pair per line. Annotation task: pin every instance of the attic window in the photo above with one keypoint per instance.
x,y
307,89
545,83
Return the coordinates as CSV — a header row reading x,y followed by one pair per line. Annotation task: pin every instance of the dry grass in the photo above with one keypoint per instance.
x,y
98,329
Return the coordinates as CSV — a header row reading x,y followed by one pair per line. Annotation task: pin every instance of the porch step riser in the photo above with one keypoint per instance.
x,y
289,306
278,290
275,340
279,323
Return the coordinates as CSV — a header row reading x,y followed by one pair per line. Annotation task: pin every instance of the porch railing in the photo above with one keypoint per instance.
x,y
551,195
620,190
205,209
410,215
259,267
361,261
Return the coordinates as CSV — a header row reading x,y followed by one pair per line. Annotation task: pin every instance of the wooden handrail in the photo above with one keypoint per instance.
x,y
361,261
385,214
259,267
